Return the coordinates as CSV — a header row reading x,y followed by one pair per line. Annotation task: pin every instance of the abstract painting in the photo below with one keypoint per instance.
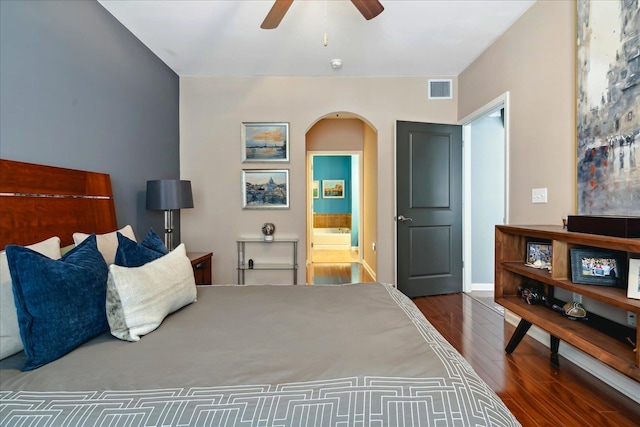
x,y
608,108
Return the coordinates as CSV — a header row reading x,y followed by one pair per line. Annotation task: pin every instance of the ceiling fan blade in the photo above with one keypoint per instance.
x,y
368,8
275,15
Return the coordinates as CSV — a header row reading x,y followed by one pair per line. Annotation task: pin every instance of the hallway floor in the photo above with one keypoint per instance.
x,y
336,273
334,255
334,267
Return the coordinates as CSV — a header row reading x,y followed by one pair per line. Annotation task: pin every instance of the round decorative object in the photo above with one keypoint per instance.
x,y
574,310
268,229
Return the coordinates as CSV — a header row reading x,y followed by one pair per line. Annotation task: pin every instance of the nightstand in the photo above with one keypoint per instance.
x,y
201,263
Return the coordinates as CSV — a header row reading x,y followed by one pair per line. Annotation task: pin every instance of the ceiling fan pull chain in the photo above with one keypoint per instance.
x,y
326,38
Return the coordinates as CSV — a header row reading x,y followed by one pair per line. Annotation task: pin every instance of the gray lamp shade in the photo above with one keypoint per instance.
x,y
169,194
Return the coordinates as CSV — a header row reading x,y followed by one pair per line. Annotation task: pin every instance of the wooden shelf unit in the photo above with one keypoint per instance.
x,y
511,273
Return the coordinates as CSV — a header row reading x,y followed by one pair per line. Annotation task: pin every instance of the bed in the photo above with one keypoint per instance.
x,y
351,355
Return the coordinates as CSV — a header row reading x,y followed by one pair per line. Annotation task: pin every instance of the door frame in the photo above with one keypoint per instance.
x,y
310,155
501,101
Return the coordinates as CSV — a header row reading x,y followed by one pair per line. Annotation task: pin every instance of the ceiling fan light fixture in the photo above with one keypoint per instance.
x,y
336,63
368,8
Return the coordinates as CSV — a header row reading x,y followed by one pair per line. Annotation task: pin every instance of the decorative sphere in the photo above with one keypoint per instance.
x,y
268,229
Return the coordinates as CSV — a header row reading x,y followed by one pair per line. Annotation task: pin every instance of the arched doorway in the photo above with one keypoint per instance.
x,y
342,222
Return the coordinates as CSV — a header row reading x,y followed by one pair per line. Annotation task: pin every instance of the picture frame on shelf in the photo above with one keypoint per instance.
x,y
265,189
265,142
315,189
333,188
633,283
539,254
598,267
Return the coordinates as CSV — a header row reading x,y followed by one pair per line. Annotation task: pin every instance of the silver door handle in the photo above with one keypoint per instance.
x,y
403,218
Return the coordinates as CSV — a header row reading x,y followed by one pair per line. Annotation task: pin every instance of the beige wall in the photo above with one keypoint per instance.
x,y
535,62
336,135
370,199
211,111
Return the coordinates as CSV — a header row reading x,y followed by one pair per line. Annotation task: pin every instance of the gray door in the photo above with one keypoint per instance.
x,y
429,208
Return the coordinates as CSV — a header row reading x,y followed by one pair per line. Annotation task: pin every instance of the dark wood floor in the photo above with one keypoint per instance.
x,y
537,393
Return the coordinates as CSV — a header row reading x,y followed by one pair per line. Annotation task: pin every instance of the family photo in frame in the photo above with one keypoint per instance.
x,y
597,267
539,254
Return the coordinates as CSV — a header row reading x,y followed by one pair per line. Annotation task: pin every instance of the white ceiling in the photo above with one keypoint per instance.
x,y
409,38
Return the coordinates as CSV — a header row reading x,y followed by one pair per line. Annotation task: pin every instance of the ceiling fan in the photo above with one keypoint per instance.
x,y
368,8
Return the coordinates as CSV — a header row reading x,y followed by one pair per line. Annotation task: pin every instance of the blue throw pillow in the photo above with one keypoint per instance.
x,y
60,303
133,254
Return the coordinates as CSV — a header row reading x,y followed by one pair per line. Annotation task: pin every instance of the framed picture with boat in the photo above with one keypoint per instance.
x,y
265,142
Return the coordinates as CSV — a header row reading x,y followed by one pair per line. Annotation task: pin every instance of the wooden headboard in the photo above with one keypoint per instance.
x,y
38,202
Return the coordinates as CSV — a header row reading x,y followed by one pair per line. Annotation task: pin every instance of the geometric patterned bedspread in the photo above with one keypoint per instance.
x,y
344,402
460,398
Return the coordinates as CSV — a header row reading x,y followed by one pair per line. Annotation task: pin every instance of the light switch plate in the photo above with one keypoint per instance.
x,y
539,195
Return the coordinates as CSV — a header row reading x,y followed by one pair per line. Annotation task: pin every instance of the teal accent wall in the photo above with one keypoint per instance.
x,y
332,167
355,208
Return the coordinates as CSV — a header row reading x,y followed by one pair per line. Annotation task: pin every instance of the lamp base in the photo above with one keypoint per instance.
x,y
168,229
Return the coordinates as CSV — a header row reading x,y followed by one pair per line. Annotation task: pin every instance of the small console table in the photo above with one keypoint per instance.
x,y
243,265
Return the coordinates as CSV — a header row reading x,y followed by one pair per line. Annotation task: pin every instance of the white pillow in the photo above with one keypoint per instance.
x,y
107,243
139,298
10,341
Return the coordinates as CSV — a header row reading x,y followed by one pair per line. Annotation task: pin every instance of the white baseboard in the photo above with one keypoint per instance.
x,y
481,287
604,373
369,270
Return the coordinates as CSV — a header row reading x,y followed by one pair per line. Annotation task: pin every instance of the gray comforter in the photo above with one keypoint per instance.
x,y
351,355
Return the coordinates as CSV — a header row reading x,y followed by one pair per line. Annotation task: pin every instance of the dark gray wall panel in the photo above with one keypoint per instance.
x,y
426,259
78,90
430,154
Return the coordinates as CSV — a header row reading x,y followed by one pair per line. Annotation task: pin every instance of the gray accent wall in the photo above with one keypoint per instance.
x,y
78,90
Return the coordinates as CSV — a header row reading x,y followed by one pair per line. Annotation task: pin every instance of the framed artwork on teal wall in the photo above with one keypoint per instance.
x,y
333,188
315,189
265,142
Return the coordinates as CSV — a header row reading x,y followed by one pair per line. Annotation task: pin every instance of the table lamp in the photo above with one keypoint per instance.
x,y
169,195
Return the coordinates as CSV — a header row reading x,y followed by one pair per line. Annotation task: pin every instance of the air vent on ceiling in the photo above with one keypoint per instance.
x,y
440,89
